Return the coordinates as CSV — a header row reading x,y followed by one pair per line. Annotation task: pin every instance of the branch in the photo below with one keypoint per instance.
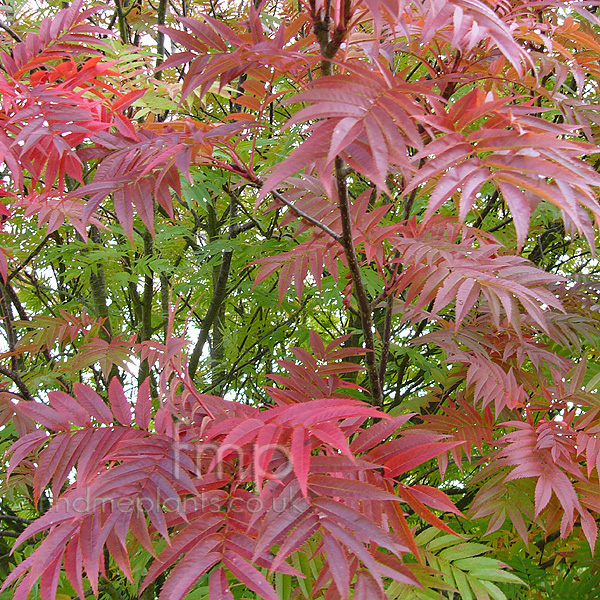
x,y
148,291
17,519
33,254
11,534
11,336
329,46
236,365
219,293
487,208
13,34
338,35
500,225
122,21
98,289
12,296
160,38
386,337
16,378
146,304
412,196
364,305
336,236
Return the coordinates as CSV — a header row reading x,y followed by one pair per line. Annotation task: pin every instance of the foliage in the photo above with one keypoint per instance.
x,y
300,300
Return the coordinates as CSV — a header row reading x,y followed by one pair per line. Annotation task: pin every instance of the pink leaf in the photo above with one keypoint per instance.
x,y
43,414
301,449
218,586
69,408
367,588
295,540
413,457
93,403
375,434
23,447
337,562
143,405
249,576
348,488
332,435
118,402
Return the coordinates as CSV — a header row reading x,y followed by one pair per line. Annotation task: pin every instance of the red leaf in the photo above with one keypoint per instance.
x,y
274,528
413,457
337,562
434,498
67,461
218,586
50,577
95,452
296,539
46,553
118,402
23,447
400,527
43,414
589,527
242,434
249,576
333,436
190,568
353,544
520,207
326,409
301,449
367,588
264,448
422,510
73,566
3,265
93,403
375,434
143,405
198,533
126,100
348,488
69,408
352,519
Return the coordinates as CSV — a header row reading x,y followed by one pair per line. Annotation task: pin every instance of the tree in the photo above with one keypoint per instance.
x,y
300,300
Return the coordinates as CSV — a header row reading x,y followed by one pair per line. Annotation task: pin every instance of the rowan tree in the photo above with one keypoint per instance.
x,y
300,300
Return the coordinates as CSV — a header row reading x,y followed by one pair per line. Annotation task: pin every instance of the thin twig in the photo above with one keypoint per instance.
x,y
11,534
13,34
16,378
33,254
336,236
386,337
14,518
500,225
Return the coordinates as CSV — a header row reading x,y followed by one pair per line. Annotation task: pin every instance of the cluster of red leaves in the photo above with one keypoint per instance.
x,y
218,54
58,114
224,482
560,455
